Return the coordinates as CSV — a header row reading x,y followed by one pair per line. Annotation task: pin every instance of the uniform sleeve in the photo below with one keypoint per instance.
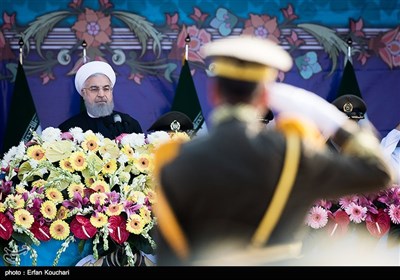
x,y
360,166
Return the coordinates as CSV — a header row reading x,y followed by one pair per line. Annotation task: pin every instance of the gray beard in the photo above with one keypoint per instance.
x,y
100,110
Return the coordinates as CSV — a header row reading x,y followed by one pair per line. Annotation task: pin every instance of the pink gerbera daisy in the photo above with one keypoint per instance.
x,y
356,212
394,213
317,217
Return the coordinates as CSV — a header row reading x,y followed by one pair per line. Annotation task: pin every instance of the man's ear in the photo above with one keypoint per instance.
x,y
214,95
262,100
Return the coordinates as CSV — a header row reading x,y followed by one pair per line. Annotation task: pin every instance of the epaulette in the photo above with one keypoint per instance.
x,y
306,129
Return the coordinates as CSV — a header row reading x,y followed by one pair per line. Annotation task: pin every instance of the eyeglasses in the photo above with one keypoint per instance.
x,y
96,89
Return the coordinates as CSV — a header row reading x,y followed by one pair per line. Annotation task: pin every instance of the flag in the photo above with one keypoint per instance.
x,y
349,84
348,98
186,99
22,118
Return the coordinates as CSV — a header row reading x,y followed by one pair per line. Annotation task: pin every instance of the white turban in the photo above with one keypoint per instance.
x,y
90,68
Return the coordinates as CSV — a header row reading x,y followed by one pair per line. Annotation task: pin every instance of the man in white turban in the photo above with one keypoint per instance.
x,y
94,81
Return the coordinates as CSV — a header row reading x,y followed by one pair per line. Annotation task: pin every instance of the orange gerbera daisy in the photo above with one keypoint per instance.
x,y
48,209
91,143
135,224
36,152
66,165
59,230
78,161
100,186
23,218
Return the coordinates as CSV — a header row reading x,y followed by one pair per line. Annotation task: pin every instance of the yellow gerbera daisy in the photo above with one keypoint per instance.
x,y
128,150
74,187
114,209
98,197
135,224
78,161
36,152
143,163
48,209
110,167
54,195
23,218
59,230
98,220
100,186
66,165
145,214
91,143
62,213
15,201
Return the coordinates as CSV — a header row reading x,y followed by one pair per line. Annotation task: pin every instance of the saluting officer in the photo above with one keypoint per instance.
x,y
242,185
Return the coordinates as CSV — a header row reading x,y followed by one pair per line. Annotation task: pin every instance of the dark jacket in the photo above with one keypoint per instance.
x,y
220,185
109,126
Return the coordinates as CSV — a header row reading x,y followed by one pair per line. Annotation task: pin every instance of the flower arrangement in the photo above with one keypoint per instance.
x,y
379,212
79,187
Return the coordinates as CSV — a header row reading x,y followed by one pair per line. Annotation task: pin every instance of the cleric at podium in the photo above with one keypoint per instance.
x,y
95,81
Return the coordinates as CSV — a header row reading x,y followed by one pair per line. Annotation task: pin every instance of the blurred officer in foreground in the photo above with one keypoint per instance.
x,y
239,195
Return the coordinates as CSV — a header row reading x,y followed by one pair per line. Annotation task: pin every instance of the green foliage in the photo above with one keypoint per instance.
x,y
41,27
329,40
142,29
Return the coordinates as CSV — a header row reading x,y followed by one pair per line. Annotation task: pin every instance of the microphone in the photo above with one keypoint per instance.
x,y
118,124
117,118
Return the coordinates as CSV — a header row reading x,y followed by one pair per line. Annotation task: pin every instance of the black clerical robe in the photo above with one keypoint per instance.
x,y
110,126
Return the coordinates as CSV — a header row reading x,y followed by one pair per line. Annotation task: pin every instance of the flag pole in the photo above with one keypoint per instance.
x,y
84,59
187,42
84,45
349,46
21,45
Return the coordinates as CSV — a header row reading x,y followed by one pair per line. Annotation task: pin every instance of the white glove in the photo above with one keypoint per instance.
x,y
286,98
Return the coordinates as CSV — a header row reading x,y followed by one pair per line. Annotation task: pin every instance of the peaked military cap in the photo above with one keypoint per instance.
x,y
247,58
353,106
172,121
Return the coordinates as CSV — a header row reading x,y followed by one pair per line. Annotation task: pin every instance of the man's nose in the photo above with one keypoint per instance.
x,y
101,92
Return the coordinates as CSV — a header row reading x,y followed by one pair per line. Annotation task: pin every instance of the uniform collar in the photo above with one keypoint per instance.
x,y
242,112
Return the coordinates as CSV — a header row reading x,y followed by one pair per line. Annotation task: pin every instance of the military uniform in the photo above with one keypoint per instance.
x,y
220,186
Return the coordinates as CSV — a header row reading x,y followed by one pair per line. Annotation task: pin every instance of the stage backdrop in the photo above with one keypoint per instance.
x,y
145,40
